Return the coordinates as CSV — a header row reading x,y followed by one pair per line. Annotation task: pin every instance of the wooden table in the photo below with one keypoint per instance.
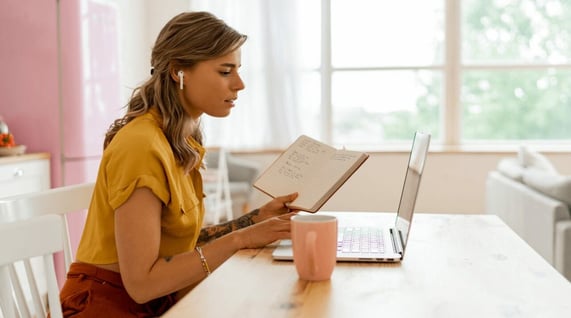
x,y
454,266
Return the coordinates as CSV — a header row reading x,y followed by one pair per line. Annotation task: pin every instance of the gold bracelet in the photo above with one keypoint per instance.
x,y
205,266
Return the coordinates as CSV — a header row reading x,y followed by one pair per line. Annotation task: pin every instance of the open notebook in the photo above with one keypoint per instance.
x,y
374,244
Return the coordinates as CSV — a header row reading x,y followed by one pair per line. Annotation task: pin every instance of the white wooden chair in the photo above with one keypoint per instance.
x,y
58,202
20,241
217,190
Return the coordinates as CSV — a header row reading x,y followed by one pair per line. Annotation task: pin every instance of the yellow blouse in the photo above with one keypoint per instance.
x,y
140,156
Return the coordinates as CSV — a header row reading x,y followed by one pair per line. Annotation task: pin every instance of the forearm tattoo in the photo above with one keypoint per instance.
x,y
210,233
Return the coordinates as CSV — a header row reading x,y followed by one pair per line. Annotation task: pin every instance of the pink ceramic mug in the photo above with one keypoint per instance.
x,y
314,239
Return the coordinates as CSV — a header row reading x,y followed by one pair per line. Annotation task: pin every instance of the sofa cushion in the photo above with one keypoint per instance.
x,y
553,185
511,168
529,158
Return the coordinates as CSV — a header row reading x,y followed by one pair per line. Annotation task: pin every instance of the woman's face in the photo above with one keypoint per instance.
x,y
211,87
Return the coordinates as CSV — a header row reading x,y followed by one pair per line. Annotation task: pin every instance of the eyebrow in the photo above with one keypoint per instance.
x,y
232,65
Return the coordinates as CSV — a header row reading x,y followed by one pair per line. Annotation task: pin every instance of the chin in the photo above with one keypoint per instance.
x,y
221,114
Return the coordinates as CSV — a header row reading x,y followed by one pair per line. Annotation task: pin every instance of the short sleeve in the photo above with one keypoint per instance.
x,y
135,163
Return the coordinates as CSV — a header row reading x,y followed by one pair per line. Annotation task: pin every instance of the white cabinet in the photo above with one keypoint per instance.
x,y
24,174
18,175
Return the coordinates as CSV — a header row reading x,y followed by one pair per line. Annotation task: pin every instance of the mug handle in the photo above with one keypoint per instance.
x,y
310,244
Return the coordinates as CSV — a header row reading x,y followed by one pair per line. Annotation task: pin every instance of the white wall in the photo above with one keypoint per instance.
x,y
140,23
453,182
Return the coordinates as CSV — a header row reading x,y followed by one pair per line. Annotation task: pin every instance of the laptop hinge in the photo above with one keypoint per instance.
x,y
397,241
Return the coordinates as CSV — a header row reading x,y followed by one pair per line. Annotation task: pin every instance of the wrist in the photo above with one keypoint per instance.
x,y
238,239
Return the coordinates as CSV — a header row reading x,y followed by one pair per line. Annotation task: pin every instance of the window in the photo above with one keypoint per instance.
x,y
372,72
386,70
516,71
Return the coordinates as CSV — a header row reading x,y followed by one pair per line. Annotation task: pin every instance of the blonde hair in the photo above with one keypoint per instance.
x,y
187,39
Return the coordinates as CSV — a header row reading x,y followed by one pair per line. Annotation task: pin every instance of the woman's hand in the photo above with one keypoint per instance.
x,y
276,207
266,232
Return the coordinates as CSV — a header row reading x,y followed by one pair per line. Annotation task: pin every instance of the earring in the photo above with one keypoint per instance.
x,y
181,79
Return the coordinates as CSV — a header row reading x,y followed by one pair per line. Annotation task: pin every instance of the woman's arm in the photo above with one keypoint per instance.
x,y
210,233
275,207
147,276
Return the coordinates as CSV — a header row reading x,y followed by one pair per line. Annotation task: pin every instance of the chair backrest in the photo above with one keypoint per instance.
x,y
61,201
217,187
19,241
57,202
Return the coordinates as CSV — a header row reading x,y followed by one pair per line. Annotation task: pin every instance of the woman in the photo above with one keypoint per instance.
x,y
143,246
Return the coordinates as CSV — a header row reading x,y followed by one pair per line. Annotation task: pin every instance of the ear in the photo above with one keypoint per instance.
x,y
174,73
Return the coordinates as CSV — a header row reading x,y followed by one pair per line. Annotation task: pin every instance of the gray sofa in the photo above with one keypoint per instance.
x,y
536,208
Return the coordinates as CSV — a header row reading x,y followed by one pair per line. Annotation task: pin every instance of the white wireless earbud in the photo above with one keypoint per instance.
x,y
181,79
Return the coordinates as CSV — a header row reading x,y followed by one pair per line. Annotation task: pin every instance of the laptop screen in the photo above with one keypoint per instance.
x,y
411,184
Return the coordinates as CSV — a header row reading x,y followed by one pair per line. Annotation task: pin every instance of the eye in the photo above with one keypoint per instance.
x,y
225,73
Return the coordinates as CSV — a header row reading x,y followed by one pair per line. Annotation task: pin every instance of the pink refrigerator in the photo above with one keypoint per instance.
x,y
63,87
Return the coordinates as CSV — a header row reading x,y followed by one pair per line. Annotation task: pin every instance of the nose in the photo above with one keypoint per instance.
x,y
238,83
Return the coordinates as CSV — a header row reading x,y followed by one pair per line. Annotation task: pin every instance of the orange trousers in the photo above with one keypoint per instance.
x,y
90,291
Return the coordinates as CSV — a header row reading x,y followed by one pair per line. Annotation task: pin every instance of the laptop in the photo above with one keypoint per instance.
x,y
375,244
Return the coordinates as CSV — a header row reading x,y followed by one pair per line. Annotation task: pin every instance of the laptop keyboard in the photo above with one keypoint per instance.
x,y
360,240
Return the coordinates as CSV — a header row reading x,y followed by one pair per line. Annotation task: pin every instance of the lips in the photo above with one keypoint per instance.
x,y
230,101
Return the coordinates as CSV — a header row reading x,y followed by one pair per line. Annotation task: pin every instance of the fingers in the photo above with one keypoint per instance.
x,y
283,236
270,230
287,216
280,223
282,230
287,198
